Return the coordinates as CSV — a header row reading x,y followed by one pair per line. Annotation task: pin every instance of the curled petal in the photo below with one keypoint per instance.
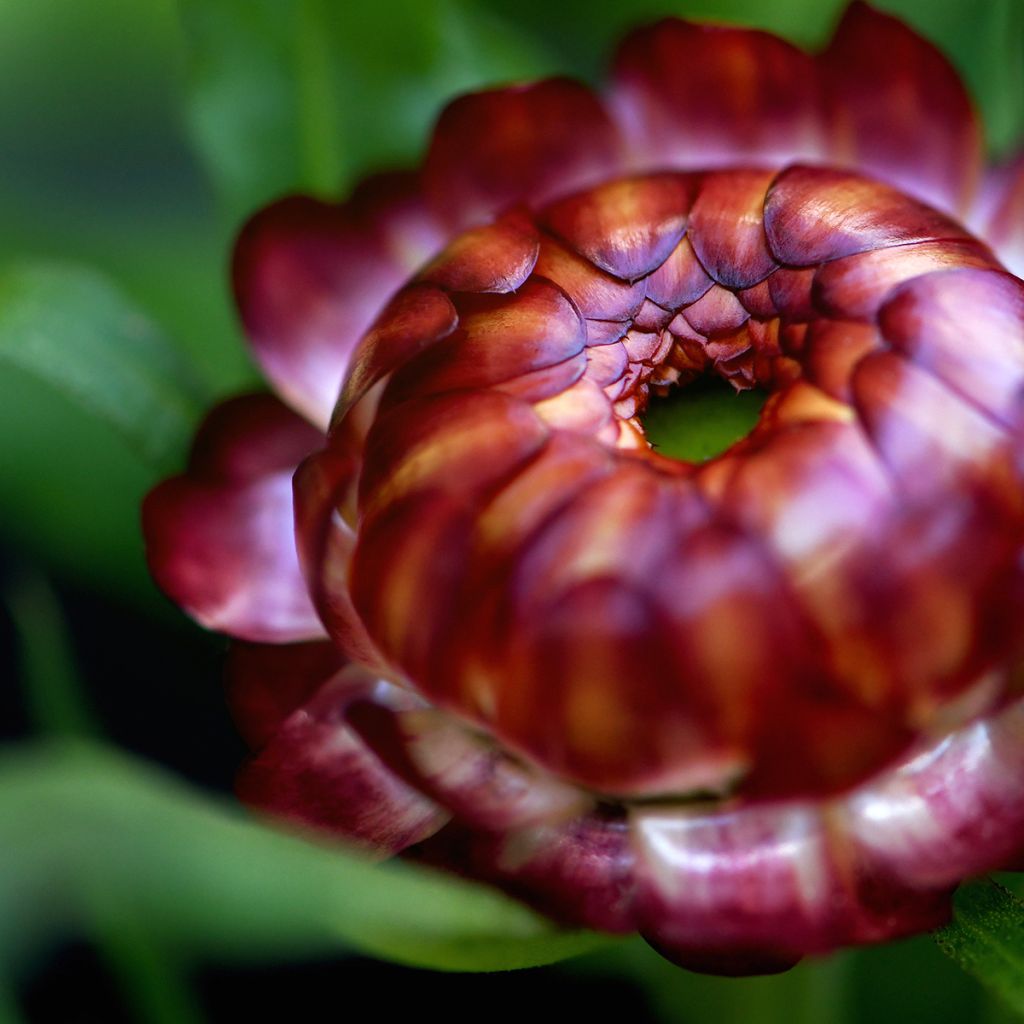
x,y
318,771
899,110
220,539
688,95
755,889
953,811
521,144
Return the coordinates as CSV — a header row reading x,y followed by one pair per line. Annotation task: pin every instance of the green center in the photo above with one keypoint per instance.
x,y
701,420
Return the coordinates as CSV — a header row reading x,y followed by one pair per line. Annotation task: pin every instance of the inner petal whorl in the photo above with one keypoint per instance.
x,y
801,605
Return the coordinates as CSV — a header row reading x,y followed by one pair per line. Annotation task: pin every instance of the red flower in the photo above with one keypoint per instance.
x,y
753,708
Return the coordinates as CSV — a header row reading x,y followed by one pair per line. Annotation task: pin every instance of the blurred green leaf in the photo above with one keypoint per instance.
x,y
986,938
309,95
73,329
79,824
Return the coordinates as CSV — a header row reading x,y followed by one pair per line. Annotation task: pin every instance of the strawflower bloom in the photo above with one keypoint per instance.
x,y
753,708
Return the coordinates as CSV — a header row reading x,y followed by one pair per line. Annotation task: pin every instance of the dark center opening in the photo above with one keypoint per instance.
x,y
701,419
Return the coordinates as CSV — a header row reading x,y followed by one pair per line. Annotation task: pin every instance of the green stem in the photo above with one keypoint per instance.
x,y
53,693
319,123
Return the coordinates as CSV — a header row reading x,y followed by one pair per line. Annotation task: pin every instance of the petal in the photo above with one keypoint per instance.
x,y
324,488
580,873
931,318
753,890
628,227
899,110
521,144
309,279
319,772
689,96
856,287
953,811
999,214
680,280
498,257
221,537
267,682
727,227
499,339
596,294
416,318
816,214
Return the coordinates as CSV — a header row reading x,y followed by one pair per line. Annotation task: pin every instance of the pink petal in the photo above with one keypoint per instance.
x,y
221,537
521,144
931,318
318,772
698,96
998,216
309,279
899,110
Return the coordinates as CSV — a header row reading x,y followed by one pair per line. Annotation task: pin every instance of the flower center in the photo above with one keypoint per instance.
x,y
701,420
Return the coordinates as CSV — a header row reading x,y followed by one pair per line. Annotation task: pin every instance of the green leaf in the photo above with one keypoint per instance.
x,y
986,938
312,94
71,328
81,827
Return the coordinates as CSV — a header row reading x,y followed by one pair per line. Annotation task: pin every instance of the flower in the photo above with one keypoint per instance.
x,y
753,708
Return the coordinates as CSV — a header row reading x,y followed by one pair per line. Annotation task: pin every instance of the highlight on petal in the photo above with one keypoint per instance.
x,y
703,96
220,538
998,215
520,144
899,110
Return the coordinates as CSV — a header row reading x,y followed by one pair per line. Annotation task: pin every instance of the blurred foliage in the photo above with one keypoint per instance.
x,y
137,136
80,825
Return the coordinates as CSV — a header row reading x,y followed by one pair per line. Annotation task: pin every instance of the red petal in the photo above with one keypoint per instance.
x,y
499,339
309,279
899,109
596,294
521,144
417,317
691,96
318,771
221,537
498,257
267,682
680,280
628,227
580,873
816,214
727,227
